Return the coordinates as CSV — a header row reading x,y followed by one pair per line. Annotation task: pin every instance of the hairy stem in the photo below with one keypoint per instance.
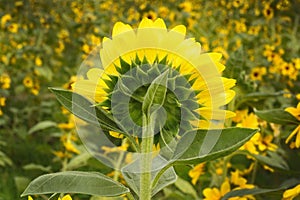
x,y
146,159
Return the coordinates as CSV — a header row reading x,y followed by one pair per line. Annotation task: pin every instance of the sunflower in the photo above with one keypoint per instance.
x,y
132,59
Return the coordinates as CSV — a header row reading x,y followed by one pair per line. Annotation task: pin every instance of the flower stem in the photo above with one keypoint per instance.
x,y
130,196
146,159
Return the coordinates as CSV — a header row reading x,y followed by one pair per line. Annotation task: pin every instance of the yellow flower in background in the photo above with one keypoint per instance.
x,y
63,34
254,30
19,3
70,147
153,42
35,89
287,69
69,125
268,11
249,121
2,101
13,28
4,19
28,82
290,194
163,11
238,180
257,73
240,115
60,47
296,133
5,81
150,15
68,85
296,63
237,3
294,111
38,61
116,134
86,48
265,143
215,193
66,197
186,6
196,172
257,143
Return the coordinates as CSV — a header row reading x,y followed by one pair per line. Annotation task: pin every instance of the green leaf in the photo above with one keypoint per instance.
x,y
156,93
273,160
262,95
167,178
185,187
242,192
45,72
91,183
21,182
33,166
41,126
78,161
84,109
203,145
277,116
5,160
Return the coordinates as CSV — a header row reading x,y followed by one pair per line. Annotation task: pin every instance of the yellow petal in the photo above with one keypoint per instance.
x,y
215,56
298,139
297,129
119,28
210,114
94,74
146,23
159,23
225,188
67,197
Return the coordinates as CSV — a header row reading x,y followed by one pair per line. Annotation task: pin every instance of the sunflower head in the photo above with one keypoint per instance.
x,y
132,59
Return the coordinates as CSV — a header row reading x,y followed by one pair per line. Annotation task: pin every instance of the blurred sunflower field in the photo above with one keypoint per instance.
x,y
43,43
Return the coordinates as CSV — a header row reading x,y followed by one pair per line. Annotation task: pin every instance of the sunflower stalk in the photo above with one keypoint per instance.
x,y
153,101
146,148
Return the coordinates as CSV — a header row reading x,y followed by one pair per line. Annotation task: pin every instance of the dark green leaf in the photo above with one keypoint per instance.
x,y
41,126
262,95
273,160
91,183
203,145
277,116
84,109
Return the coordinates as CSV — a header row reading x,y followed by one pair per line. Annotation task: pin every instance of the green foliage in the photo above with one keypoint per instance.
x,y
41,126
277,116
92,183
205,145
